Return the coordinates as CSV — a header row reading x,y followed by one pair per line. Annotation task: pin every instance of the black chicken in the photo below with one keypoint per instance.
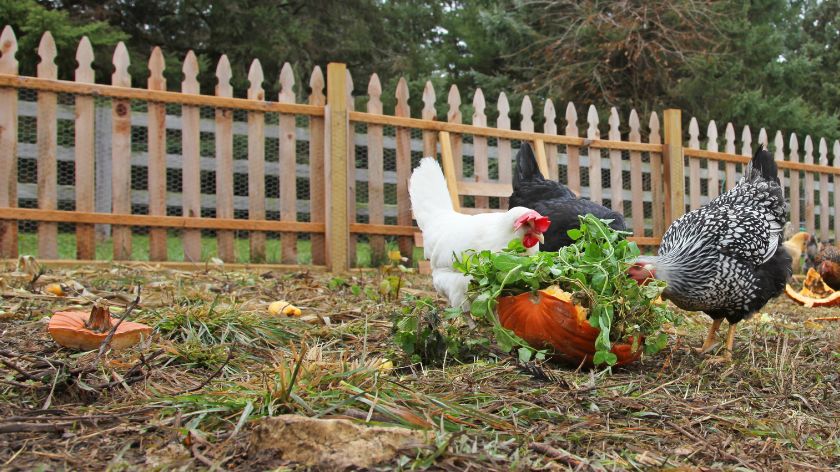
x,y
726,258
553,200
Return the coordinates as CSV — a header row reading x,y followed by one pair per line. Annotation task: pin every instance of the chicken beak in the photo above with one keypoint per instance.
x,y
541,238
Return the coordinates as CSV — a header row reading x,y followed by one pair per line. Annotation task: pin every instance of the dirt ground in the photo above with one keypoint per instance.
x,y
197,394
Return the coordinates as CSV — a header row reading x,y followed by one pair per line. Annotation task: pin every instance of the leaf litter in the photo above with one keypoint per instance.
x,y
195,395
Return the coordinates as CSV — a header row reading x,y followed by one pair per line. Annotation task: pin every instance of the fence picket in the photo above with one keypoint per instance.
x,y
595,175
794,183
46,137
694,165
429,113
656,178
825,206
835,180
256,163
376,170
729,148
224,161
779,155
454,116
8,143
573,152
810,213
351,172
84,153
157,156
503,146
190,138
121,154
480,158
616,180
287,166
403,168
550,128
713,165
317,203
527,112
637,210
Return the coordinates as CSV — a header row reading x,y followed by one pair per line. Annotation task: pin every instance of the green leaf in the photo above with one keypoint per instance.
x,y
575,234
525,354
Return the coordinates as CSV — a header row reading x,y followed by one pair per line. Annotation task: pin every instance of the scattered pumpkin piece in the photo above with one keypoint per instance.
x,y
55,289
282,307
86,331
394,256
814,293
385,366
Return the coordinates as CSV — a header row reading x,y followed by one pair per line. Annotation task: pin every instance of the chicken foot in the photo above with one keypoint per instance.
x,y
709,343
727,354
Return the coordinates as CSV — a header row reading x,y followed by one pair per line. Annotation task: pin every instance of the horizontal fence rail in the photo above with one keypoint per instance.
x,y
121,171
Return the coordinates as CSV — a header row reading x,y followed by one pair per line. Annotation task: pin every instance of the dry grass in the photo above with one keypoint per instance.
x,y
217,362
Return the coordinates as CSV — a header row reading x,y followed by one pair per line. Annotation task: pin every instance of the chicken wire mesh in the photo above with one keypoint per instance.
x,y
467,147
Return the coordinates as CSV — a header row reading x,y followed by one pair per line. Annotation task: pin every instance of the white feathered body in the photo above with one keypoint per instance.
x,y
447,233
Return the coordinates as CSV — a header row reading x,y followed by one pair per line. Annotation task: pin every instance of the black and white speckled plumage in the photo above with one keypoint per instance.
x,y
726,258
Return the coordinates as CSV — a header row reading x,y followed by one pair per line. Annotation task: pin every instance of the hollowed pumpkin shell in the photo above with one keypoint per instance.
x,y
545,321
68,329
814,293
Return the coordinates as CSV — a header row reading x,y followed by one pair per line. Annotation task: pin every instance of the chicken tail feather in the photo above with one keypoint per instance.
x,y
762,166
428,191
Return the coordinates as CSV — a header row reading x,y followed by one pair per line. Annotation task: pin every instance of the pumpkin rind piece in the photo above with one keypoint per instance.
x,y
67,328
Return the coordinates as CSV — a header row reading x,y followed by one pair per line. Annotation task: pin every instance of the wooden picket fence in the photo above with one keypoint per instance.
x,y
339,177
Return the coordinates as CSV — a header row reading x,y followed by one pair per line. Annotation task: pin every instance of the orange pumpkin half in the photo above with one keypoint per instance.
x,y
70,329
545,321
814,293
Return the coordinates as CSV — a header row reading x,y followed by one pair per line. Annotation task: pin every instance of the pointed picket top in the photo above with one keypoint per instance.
x,y
479,118
374,104
121,62
454,102
693,134
779,144
84,57
836,151
633,121
8,48
429,112
223,75
653,125
287,84
504,111
592,118
351,103
746,142
614,134
46,51
794,148
255,79
190,70
402,108
809,150
712,135
156,67
316,83
762,138
527,111
550,114
729,137
571,120
823,152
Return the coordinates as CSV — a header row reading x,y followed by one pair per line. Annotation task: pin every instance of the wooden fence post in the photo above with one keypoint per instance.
x,y
674,167
335,169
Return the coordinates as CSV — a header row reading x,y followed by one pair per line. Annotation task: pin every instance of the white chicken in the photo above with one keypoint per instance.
x,y
447,233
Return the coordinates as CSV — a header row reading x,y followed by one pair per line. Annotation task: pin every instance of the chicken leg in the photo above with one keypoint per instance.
x,y
710,338
727,353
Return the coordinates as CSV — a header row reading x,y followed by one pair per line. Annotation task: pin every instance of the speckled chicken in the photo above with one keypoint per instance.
x,y
726,258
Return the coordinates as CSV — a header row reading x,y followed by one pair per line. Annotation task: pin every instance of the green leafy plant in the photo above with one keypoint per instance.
x,y
594,269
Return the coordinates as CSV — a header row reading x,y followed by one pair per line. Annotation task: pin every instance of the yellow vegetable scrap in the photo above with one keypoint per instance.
x,y
55,289
385,366
394,256
284,308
